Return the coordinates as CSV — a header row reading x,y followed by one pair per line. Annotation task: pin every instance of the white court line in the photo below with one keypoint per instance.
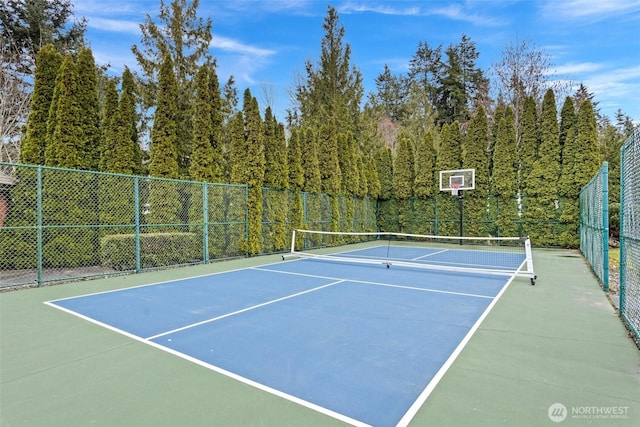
x,y
253,307
219,370
428,255
366,282
413,410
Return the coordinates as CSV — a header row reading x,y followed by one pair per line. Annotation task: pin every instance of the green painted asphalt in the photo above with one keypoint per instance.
x,y
559,342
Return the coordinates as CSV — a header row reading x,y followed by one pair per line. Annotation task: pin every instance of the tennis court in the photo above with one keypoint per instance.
x,y
359,342
321,341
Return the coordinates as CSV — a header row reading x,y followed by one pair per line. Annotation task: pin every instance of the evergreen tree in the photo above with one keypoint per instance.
x,y
328,159
347,148
475,156
312,181
118,136
217,126
276,181
239,155
32,148
586,165
448,157
201,167
461,82
542,186
255,173
373,178
296,182
505,174
332,92
568,121
425,184
330,178
567,133
403,179
128,125
426,71
33,24
425,180
587,152
164,135
70,196
529,140
185,38
296,172
391,94
164,197
452,100
66,148
475,152
387,207
276,164
89,120
384,165
108,129
362,188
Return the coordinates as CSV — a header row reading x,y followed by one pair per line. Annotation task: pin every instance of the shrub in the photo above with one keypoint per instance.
x,y
118,251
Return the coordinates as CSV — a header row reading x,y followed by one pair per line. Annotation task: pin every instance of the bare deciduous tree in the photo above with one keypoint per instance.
x,y
15,96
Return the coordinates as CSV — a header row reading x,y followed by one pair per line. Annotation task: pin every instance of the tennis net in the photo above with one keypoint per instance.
x,y
493,255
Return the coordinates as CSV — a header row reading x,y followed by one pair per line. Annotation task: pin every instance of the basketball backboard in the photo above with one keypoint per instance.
x,y
457,180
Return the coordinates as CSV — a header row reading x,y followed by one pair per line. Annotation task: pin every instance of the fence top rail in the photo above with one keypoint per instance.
x,y
142,177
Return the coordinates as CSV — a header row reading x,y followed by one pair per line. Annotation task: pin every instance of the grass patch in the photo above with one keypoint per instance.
x,y
614,257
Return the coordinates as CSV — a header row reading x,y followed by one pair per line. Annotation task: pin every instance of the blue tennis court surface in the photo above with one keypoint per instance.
x,y
361,343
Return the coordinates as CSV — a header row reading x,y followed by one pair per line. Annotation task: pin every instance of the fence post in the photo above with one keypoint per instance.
x,y
39,225
205,222
623,257
136,207
605,225
246,219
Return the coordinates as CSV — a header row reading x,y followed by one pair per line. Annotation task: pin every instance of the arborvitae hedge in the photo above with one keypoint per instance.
x,y
505,176
541,185
89,120
32,146
475,156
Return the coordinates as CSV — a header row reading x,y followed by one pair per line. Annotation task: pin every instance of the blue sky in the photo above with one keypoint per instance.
x,y
264,44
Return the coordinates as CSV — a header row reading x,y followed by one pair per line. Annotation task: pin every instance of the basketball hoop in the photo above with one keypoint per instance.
x,y
455,186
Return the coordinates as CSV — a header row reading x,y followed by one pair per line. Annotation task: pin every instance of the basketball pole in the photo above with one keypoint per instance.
x,y
460,208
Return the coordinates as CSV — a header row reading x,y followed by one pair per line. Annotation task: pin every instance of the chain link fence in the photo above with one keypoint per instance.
x,y
594,224
630,233
492,216
59,224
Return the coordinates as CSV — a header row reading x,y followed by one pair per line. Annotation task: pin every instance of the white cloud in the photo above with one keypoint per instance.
x,y
230,45
580,9
580,68
381,9
114,25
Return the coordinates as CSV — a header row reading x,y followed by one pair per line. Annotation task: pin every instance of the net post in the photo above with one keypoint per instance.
x,y
529,258
293,241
